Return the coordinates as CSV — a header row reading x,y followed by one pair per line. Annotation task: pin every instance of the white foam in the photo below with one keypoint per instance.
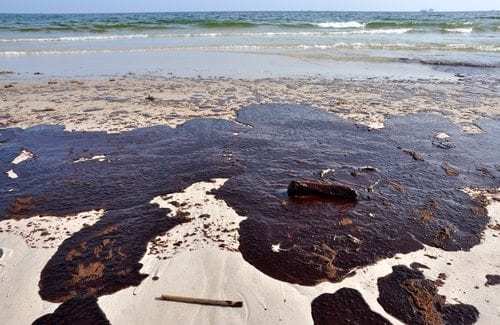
x,y
12,174
73,38
327,171
385,31
459,30
276,248
23,156
257,47
441,136
341,24
99,158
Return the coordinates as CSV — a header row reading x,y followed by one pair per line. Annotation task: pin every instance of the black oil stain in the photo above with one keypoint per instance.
x,y
345,306
288,143
402,202
77,311
492,280
409,296
104,258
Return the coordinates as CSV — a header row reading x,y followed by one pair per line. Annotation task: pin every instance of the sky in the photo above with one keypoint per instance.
x,y
74,6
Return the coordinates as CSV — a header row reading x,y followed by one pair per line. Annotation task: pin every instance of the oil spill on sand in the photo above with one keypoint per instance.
x,y
345,306
104,258
407,295
79,311
403,202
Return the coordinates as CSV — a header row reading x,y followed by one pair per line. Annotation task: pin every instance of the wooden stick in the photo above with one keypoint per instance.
x,y
200,301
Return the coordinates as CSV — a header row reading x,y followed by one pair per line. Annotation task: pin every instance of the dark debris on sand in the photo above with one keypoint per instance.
x,y
492,279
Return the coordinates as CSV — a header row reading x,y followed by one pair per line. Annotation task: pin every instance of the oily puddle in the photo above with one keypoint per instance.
x,y
410,177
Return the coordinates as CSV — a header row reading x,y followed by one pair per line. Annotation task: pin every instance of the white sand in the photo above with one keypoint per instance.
x,y
375,125
23,259
198,266
49,232
220,274
212,222
20,268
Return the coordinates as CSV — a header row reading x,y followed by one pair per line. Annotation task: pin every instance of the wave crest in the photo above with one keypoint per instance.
x,y
341,24
459,30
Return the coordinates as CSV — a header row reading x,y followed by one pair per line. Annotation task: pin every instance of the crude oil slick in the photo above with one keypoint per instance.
x,y
402,203
346,306
407,295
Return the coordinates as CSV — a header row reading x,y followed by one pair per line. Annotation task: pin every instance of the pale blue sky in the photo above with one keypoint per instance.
x,y
58,6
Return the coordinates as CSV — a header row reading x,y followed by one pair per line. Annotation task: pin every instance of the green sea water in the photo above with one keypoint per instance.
x,y
461,39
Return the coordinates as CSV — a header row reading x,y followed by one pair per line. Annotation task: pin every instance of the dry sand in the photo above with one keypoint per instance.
x,y
212,222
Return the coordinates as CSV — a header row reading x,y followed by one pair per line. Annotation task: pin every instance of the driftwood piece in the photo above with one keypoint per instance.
x,y
201,301
316,188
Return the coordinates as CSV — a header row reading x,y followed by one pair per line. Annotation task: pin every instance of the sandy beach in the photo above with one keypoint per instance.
x,y
127,102
301,167
201,258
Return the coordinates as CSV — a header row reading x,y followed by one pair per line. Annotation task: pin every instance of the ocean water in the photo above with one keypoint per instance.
x,y
72,43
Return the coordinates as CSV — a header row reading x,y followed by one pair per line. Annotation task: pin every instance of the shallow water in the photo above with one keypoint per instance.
x,y
323,38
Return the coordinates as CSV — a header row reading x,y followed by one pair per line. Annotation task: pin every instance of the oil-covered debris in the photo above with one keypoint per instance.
x,y
492,280
317,188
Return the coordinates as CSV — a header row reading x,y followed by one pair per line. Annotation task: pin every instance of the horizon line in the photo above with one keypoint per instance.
x,y
214,11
